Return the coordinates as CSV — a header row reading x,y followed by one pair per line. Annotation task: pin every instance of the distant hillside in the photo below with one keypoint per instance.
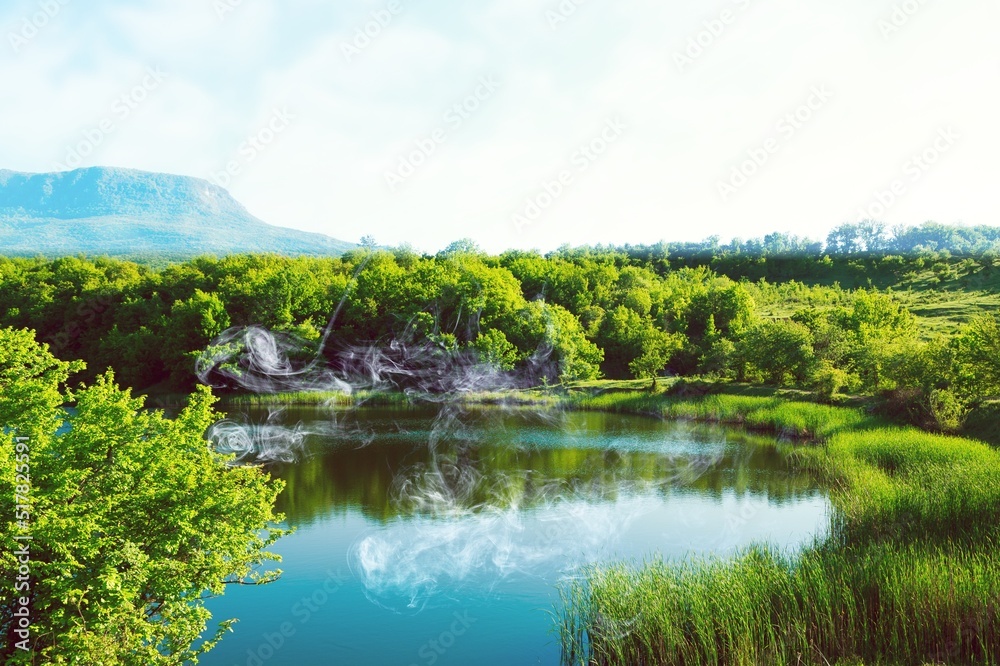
x,y
125,212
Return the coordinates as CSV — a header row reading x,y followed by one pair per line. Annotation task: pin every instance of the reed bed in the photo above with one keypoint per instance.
x,y
880,604
909,574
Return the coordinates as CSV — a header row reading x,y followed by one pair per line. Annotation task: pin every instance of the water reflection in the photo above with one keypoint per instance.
x,y
379,462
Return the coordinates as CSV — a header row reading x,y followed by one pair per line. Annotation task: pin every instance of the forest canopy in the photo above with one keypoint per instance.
x,y
770,311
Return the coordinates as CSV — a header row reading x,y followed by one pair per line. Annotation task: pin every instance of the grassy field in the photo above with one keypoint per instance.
x,y
938,311
941,301
910,573
942,312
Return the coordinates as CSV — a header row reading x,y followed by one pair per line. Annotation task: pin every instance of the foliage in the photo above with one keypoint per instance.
x,y
978,353
496,350
829,380
577,313
777,351
134,519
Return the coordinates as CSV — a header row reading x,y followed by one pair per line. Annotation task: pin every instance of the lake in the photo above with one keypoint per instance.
x,y
440,535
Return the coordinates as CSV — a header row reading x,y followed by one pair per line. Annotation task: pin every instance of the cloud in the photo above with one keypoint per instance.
x,y
560,82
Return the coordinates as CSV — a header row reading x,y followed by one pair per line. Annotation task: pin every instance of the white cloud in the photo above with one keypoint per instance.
x,y
686,129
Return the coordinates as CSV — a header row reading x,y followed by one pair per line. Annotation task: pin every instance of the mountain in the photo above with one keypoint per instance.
x,y
125,212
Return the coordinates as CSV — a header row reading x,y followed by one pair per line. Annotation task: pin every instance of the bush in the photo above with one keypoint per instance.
x,y
777,351
947,410
829,380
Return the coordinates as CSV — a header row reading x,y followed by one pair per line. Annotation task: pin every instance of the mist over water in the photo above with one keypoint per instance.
x,y
258,361
428,511
463,505
469,527
266,442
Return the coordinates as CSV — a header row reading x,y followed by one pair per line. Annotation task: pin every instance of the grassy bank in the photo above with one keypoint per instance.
x,y
786,413
879,605
772,415
909,574
376,398
765,410
331,398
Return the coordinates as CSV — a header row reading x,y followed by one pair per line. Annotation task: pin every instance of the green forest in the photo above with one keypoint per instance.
x,y
908,317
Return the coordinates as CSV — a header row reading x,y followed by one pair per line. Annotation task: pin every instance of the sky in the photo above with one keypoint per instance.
x,y
523,123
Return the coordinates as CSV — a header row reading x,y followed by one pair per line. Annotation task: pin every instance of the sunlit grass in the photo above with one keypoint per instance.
x,y
910,573
805,420
376,398
882,604
311,398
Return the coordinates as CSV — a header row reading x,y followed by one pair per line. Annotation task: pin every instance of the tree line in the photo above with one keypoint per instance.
x,y
598,312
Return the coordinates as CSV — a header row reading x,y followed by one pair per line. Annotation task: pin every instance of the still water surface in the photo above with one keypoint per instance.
x,y
438,537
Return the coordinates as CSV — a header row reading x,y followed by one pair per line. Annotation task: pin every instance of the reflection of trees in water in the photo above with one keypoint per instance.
x,y
500,463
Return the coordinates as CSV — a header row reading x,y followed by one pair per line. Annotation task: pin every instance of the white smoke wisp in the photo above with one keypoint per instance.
x,y
466,529
424,370
260,361
257,443
405,564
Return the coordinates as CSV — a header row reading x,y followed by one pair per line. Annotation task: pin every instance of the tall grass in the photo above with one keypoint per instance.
x,y
883,604
804,420
910,573
906,484
298,398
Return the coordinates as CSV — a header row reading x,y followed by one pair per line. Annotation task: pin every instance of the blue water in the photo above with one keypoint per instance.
x,y
430,541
